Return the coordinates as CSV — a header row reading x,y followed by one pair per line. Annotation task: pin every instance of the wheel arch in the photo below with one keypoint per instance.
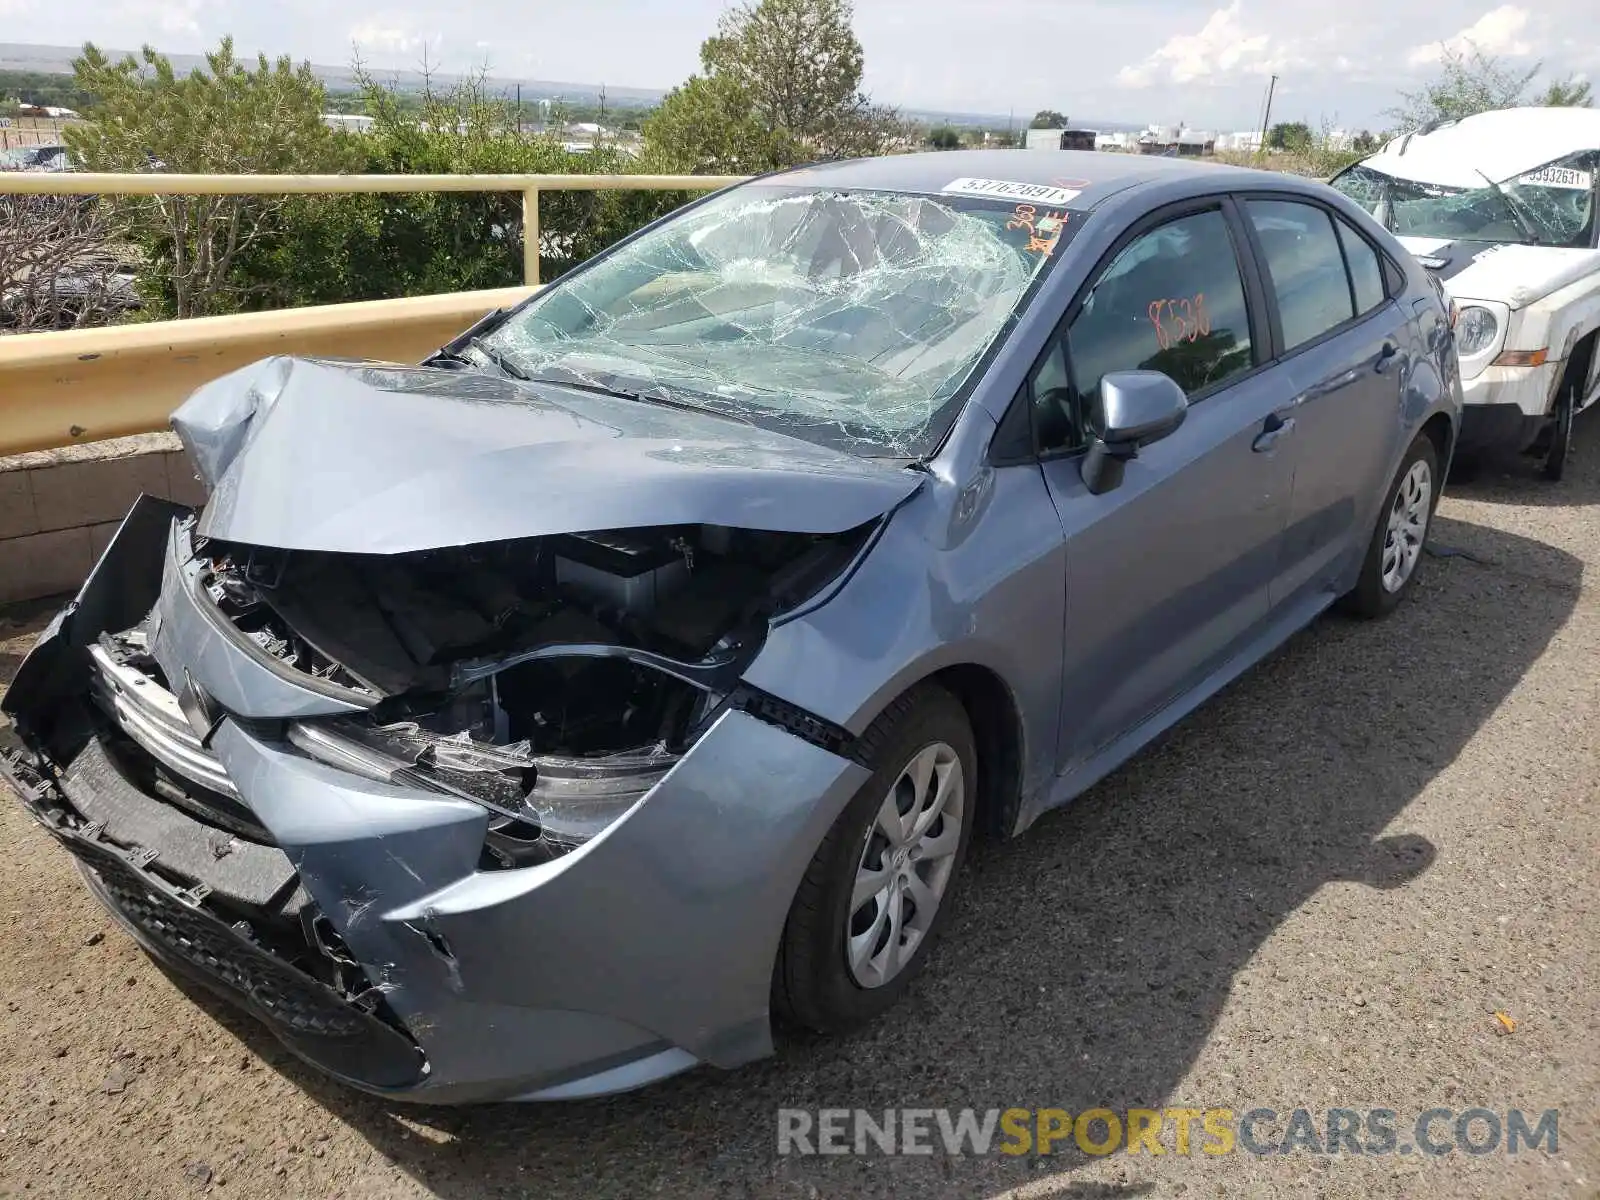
x,y
1580,363
998,731
1441,431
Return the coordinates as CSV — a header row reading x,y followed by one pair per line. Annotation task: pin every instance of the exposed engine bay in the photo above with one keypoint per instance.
x,y
551,680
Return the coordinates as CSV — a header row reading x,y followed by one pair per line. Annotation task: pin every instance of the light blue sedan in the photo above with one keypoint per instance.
x,y
552,716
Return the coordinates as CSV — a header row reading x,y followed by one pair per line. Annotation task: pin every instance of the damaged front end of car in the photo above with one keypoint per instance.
x,y
478,820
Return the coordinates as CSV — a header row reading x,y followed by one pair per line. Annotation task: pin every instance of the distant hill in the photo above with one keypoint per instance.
x,y
57,60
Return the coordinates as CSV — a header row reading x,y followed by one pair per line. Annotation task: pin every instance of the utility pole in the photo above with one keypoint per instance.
x,y
1266,115
519,110
602,119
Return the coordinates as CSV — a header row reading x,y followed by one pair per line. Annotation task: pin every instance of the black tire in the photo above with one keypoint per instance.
x,y
813,985
1560,449
1371,598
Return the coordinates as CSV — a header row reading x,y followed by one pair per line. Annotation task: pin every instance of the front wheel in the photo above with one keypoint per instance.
x,y
879,888
1394,556
1555,459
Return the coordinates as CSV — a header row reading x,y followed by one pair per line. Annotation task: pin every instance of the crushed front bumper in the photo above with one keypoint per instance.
x,y
646,950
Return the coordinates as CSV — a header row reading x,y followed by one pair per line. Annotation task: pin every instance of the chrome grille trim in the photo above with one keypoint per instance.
x,y
150,715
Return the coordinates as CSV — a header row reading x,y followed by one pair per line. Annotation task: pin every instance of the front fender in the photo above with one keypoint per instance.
x,y
961,576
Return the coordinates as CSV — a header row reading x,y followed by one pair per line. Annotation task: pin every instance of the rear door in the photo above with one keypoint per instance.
x,y
1345,345
1168,575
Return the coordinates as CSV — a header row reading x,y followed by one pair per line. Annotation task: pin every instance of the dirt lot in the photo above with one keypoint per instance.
x,y
1316,893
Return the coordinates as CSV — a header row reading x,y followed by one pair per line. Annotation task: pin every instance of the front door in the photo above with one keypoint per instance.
x,y
1168,575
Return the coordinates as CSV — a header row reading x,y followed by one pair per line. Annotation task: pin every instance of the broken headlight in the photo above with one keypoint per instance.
x,y
540,806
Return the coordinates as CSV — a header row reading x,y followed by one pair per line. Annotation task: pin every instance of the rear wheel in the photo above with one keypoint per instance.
x,y
879,888
1394,556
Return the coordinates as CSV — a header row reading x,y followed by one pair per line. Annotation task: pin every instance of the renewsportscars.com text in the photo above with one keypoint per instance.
x,y
1434,1132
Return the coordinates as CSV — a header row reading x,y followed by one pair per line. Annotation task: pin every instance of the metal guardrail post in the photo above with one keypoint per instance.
x,y
530,236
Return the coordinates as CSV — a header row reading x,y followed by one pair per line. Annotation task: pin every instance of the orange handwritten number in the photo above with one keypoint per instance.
x,y
1162,337
1192,319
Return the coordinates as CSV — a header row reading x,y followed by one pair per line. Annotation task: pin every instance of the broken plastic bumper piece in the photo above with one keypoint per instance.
x,y
353,911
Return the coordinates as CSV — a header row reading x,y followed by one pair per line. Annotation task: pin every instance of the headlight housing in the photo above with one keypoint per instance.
x,y
1476,330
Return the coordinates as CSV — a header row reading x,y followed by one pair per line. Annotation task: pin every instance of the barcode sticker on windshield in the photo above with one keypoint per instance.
x,y
1559,177
1004,189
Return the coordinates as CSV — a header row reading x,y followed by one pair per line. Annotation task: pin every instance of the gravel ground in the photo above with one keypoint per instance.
x,y
1315,893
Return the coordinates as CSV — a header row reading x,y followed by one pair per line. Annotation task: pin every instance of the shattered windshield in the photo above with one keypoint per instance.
x,y
1551,206
850,318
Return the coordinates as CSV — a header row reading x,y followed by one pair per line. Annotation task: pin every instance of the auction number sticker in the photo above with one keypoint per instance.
x,y
1559,177
1005,189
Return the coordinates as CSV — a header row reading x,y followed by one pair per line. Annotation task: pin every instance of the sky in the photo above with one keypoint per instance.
x,y
1168,61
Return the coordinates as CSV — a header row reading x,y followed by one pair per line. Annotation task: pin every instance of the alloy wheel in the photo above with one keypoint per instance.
x,y
1407,528
905,866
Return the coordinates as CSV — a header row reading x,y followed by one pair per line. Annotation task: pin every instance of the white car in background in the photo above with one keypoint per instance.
x,y
1501,207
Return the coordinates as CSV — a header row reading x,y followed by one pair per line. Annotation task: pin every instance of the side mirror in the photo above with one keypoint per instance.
x,y
1136,409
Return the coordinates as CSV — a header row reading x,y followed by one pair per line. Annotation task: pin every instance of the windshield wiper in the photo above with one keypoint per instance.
x,y
643,396
1516,213
499,360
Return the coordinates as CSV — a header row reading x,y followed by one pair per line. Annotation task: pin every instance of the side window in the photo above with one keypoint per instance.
x,y
1172,301
1366,269
1055,415
1306,265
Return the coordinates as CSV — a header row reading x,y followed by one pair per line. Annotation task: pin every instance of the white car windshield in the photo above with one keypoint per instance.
x,y
1551,206
855,319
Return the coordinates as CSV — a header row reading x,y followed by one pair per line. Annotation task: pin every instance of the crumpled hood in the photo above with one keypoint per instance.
x,y
1512,274
352,457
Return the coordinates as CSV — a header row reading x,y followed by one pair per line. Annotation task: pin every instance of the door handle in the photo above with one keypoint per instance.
x,y
1276,428
1386,356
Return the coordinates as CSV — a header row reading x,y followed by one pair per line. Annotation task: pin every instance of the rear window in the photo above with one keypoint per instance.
x,y
1306,264
1366,269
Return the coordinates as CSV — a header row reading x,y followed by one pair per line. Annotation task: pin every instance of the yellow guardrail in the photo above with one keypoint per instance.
x,y
83,385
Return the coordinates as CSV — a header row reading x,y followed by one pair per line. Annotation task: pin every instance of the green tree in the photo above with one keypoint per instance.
x,y
1365,142
1290,135
225,118
707,126
1469,82
335,248
35,87
1047,118
943,137
781,85
1568,93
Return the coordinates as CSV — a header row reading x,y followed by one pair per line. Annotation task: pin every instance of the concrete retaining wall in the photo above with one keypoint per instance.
x,y
59,508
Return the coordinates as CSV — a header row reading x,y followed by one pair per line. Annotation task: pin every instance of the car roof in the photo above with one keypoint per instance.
x,y
1501,144
1094,174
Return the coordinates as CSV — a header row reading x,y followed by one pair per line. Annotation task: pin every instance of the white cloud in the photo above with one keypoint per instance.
x,y
170,16
1497,32
1223,47
391,34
